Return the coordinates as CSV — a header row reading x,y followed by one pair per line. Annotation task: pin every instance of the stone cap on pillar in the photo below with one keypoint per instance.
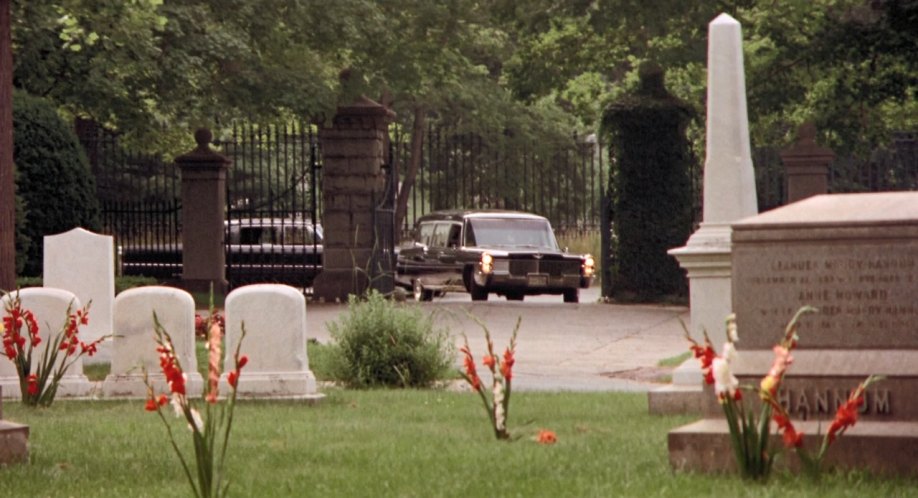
x,y
363,113
806,148
203,155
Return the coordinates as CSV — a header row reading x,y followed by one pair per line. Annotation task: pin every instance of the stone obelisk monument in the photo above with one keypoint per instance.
x,y
729,195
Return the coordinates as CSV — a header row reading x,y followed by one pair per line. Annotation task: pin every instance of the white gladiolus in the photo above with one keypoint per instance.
x,y
725,383
500,422
198,421
732,334
177,404
729,353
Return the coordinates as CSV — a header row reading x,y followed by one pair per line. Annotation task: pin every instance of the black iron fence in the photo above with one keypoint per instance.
x,y
276,177
560,180
273,206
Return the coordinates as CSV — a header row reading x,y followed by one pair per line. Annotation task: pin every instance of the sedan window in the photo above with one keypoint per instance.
x,y
508,232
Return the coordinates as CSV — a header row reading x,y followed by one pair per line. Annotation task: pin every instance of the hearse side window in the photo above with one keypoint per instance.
x,y
440,233
426,231
455,235
469,235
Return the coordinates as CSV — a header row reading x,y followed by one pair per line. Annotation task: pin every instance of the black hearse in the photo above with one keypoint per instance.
x,y
508,253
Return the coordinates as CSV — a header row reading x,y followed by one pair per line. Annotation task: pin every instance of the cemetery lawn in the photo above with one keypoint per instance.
x,y
391,443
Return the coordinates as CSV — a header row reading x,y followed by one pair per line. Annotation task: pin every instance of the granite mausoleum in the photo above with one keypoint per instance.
x,y
855,258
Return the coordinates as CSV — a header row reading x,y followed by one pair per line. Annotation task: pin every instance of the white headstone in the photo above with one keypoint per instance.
x,y
83,263
275,343
50,309
134,344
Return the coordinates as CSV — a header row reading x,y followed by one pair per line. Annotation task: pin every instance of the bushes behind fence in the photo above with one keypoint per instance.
x,y
54,181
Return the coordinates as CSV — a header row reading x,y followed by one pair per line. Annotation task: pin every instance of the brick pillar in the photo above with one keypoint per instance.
x,y
806,165
353,153
203,208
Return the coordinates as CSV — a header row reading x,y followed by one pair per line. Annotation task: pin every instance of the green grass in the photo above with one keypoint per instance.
x,y
391,443
674,361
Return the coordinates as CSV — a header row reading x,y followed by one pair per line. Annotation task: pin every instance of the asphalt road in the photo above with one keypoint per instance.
x,y
590,346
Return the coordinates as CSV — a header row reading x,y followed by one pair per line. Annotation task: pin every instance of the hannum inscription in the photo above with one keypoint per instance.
x,y
867,289
823,403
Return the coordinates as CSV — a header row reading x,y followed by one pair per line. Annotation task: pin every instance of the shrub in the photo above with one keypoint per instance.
x,y
54,181
651,189
381,343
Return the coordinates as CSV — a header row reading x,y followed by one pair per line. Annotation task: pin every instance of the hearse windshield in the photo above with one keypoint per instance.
x,y
511,232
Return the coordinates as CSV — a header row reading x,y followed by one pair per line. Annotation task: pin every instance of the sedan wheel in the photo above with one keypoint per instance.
x,y
420,293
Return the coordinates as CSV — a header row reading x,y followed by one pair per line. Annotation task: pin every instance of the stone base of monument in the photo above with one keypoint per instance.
x,y
14,443
675,400
683,396
276,385
133,386
887,448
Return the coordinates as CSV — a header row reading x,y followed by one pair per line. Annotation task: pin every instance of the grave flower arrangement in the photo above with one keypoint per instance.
x,y
21,339
750,433
210,430
496,400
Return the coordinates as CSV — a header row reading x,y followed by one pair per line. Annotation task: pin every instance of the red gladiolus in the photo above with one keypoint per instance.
x,y
506,368
547,437
151,405
792,438
706,355
489,361
243,360
233,378
470,370
33,385
846,416
163,399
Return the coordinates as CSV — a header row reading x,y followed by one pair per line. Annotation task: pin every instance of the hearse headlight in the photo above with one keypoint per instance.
x,y
487,263
589,266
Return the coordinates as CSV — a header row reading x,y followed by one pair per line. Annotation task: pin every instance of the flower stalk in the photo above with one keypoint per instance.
x,y
39,380
210,431
496,400
750,434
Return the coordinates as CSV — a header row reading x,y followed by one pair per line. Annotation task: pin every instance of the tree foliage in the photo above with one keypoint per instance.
x,y
53,181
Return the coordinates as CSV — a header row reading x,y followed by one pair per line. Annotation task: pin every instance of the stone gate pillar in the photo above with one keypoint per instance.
x,y
203,209
353,153
806,166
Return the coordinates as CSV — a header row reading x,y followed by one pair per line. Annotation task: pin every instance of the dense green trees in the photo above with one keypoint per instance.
x,y
500,64
526,69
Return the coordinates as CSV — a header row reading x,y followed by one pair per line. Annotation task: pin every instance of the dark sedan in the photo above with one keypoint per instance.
x,y
508,253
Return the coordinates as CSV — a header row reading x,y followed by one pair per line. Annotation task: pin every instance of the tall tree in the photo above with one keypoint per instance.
x,y
7,185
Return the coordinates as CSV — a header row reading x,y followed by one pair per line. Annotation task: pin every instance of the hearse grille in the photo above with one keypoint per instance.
x,y
555,268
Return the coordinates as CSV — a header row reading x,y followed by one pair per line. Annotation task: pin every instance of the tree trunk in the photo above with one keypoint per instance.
x,y
7,186
414,164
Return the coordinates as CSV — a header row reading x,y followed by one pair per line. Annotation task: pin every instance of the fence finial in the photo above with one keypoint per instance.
x,y
203,137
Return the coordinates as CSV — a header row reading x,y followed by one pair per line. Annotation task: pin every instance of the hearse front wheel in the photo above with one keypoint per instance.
x,y
571,295
478,292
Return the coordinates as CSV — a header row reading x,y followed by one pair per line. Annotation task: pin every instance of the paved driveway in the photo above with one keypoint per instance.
x,y
589,346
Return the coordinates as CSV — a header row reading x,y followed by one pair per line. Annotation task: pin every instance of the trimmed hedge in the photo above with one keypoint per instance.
x,y
650,184
54,181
